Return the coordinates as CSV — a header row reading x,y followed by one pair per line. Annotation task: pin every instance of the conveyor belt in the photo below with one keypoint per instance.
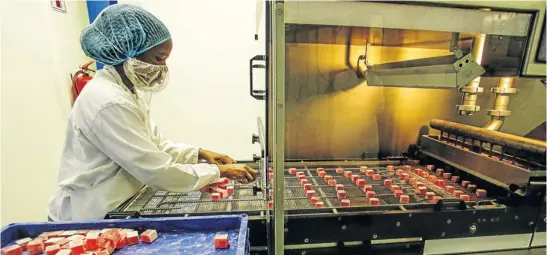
x,y
293,189
150,202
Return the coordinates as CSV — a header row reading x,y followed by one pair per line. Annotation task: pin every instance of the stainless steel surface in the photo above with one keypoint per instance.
x,y
264,169
469,99
346,163
454,44
278,109
503,55
261,133
326,118
482,166
535,147
349,244
437,72
501,102
403,16
396,240
476,244
495,123
323,123
330,118
535,251
531,66
310,246
474,17
539,239
374,37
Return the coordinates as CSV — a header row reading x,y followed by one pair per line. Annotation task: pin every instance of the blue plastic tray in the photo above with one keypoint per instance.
x,y
189,235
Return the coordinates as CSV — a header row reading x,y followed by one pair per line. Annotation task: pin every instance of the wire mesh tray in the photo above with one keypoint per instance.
x,y
357,196
150,202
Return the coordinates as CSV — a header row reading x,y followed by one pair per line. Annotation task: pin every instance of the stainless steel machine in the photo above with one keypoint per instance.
x,y
429,115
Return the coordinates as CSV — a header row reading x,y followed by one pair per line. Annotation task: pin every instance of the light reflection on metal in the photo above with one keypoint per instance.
x,y
324,121
494,171
500,111
448,71
519,143
469,99
434,72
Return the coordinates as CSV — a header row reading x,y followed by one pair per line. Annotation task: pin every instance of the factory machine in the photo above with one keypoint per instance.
x,y
392,128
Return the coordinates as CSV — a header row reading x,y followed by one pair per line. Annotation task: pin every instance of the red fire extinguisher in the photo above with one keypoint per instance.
x,y
80,79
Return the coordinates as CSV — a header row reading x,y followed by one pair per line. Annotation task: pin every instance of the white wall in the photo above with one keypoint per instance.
x,y
207,101
40,48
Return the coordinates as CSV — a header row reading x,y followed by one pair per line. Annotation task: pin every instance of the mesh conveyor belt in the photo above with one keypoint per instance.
x,y
150,202
153,202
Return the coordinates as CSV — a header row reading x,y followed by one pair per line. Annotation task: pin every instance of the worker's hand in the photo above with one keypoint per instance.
x,y
238,172
215,158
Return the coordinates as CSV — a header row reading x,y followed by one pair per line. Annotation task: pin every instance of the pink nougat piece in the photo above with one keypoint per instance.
x,y
149,236
132,238
35,247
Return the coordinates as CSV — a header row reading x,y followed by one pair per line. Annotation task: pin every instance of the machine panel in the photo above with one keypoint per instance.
x,y
364,80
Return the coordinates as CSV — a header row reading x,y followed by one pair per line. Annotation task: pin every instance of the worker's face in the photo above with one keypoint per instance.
x,y
158,54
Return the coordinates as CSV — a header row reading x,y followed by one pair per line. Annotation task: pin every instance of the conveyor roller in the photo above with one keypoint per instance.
x,y
535,147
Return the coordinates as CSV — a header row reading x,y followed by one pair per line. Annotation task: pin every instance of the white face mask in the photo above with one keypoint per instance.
x,y
145,76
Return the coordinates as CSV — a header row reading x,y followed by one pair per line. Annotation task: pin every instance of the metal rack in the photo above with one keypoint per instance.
x,y
153,203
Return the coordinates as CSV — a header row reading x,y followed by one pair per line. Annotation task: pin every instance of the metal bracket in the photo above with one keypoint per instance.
x,y
499,113
499,90
449,203
468,108
463,61
255,139
471,89
454,45
446,72
457,53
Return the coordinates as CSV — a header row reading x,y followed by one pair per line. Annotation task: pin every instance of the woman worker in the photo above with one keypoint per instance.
x,y
112,148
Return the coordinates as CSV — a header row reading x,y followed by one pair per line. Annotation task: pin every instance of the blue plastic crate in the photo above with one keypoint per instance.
x,y
188,235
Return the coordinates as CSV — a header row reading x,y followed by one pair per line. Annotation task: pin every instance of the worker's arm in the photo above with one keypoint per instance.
x,y
120,132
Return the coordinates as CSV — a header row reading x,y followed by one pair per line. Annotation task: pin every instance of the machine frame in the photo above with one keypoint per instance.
x,y
293,233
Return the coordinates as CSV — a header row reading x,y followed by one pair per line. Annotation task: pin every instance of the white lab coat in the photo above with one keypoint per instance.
x,y
112,150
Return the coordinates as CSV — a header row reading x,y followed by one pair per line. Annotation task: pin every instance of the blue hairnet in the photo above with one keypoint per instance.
x,y
120,32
